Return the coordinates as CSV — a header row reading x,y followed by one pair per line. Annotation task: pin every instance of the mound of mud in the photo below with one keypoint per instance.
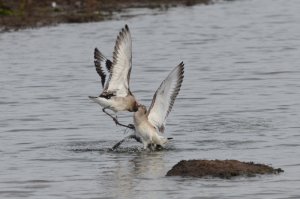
x,y
220,168
15,15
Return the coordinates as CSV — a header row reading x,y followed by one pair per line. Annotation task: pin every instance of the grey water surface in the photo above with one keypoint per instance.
x,y
240,99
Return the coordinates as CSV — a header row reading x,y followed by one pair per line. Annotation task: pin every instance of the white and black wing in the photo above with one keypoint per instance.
x,y
118,82
98,59
164,98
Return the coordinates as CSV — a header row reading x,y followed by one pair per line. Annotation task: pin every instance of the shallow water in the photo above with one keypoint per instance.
x,y
240,100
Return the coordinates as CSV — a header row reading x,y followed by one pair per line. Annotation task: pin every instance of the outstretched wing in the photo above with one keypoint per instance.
x,y
121,66
99,69
98,58
164,98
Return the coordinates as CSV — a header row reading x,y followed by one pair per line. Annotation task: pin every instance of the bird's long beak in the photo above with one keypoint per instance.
x,y
136,107
94,99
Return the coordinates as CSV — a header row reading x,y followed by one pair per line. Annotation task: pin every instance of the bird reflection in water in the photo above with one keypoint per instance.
x,y
128,177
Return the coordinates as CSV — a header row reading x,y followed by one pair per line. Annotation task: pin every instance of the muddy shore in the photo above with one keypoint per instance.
x,y
220,169
20,14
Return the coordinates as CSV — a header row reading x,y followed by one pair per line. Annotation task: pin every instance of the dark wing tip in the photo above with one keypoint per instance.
x,y
124,33
108,65
100,72
181,65
178,86
181,72
126,27
97,54
97,62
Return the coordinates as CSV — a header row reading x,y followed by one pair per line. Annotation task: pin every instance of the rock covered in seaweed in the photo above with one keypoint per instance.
x,y
220,168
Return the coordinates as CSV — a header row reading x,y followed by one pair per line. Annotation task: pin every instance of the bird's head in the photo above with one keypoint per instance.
x,y
135,106
142,108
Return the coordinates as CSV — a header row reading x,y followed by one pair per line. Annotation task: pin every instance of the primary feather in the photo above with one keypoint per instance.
x,y
97,61
164,98
121,65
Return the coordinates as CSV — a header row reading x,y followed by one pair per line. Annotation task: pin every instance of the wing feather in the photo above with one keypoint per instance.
x,y
164,98
98,57
121,65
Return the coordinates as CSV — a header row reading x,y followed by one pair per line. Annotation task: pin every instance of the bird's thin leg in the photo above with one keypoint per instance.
x,y
133,136
118,144
131,126
108,114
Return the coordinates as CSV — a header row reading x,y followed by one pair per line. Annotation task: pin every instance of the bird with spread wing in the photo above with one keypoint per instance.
x,y
150,124
116,94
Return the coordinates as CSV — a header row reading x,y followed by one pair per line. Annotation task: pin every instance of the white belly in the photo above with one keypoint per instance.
x,y
112,103
149,134
145,131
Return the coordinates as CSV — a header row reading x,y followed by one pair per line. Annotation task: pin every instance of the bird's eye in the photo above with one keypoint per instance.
x,y
108,97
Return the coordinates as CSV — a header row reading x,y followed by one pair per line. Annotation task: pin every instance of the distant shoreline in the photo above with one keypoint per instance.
x,y
22,14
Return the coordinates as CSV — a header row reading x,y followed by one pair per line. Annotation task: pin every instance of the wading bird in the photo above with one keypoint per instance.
x,y
150,124
116,94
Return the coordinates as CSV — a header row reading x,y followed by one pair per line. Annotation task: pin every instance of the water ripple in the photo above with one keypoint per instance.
x,y
239,100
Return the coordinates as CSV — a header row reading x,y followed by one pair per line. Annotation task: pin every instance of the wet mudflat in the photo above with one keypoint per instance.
x,y
220,169
239,100
15,15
